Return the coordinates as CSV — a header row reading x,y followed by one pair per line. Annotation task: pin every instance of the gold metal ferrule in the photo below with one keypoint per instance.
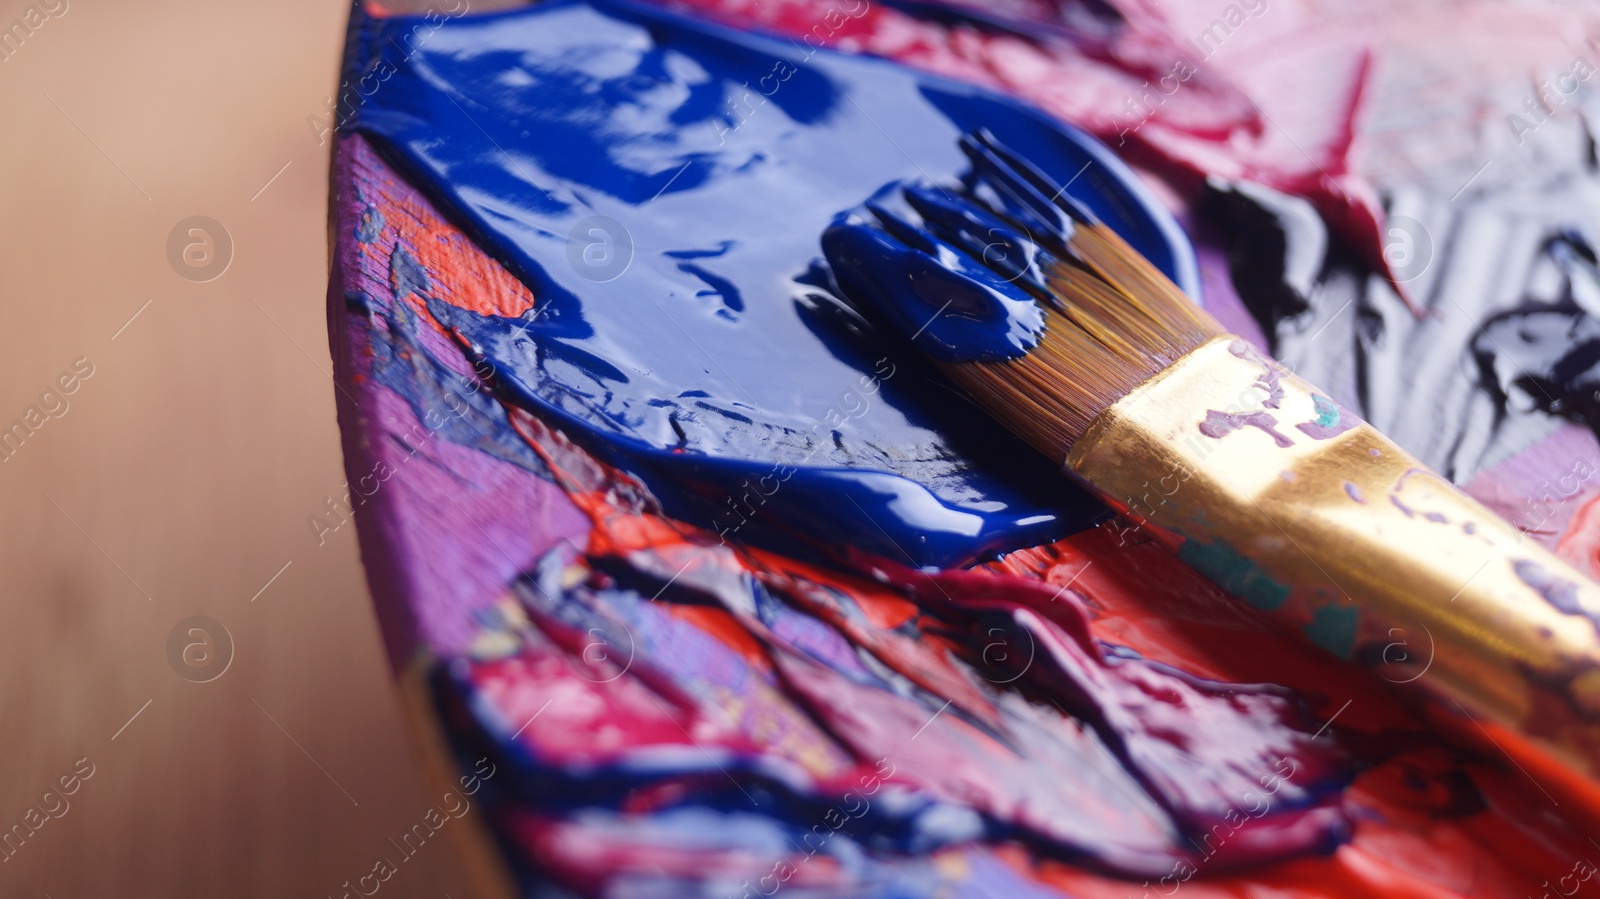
x,y
1301,509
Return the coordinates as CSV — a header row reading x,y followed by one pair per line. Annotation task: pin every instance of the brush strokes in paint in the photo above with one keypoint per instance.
x,y
981,741
1142,602
961,268
584,143
641,844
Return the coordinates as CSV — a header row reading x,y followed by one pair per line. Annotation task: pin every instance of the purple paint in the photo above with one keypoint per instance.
x,y
1561,594
1331,421
1271,379
1220,424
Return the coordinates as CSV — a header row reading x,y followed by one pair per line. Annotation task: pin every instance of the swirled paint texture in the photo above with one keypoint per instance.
x,y
697,672
661,185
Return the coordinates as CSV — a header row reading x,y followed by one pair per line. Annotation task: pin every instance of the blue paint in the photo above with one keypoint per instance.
x,y
954,284
695,335
961,269
406,275
371,223
445,403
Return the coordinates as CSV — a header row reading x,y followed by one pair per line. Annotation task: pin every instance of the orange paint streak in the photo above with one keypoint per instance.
x,y
1409,842
1405,845
882,607
461,273
1141,596
728,631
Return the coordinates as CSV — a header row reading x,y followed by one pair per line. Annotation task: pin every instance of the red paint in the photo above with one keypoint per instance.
x,y
1417,830
1196,744
461,274
1420,816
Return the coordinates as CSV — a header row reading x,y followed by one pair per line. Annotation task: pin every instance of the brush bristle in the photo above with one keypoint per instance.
x,y
1113,322
1009,237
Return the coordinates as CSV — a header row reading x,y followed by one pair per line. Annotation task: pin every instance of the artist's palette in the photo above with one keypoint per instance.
x,y
674,535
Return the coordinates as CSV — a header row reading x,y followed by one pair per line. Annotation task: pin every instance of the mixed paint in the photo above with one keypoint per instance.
x,y
738,594
724,354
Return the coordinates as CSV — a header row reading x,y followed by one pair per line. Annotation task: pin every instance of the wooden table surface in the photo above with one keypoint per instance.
x,y
179,477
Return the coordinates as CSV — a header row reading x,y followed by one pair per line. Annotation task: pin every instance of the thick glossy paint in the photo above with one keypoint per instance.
x,y
960,269
703,744
932,278
1126,764
588,818
584,143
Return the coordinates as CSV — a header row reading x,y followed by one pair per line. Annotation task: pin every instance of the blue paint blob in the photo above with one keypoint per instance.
x,y
662,185
961,269
370,225
445,403
941,293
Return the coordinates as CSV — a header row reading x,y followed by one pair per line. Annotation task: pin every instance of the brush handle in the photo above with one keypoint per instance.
x,y
1309,514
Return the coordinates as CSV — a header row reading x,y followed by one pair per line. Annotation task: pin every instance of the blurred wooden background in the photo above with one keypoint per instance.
x,y
180,477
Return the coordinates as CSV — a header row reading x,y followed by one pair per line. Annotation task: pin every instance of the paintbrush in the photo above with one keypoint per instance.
x,y
1073,341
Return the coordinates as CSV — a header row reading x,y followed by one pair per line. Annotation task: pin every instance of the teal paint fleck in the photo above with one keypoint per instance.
x,y
1327,410
1333,628
1235,574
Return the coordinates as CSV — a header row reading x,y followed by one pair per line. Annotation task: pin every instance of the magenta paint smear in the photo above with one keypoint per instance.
x,y
678,717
